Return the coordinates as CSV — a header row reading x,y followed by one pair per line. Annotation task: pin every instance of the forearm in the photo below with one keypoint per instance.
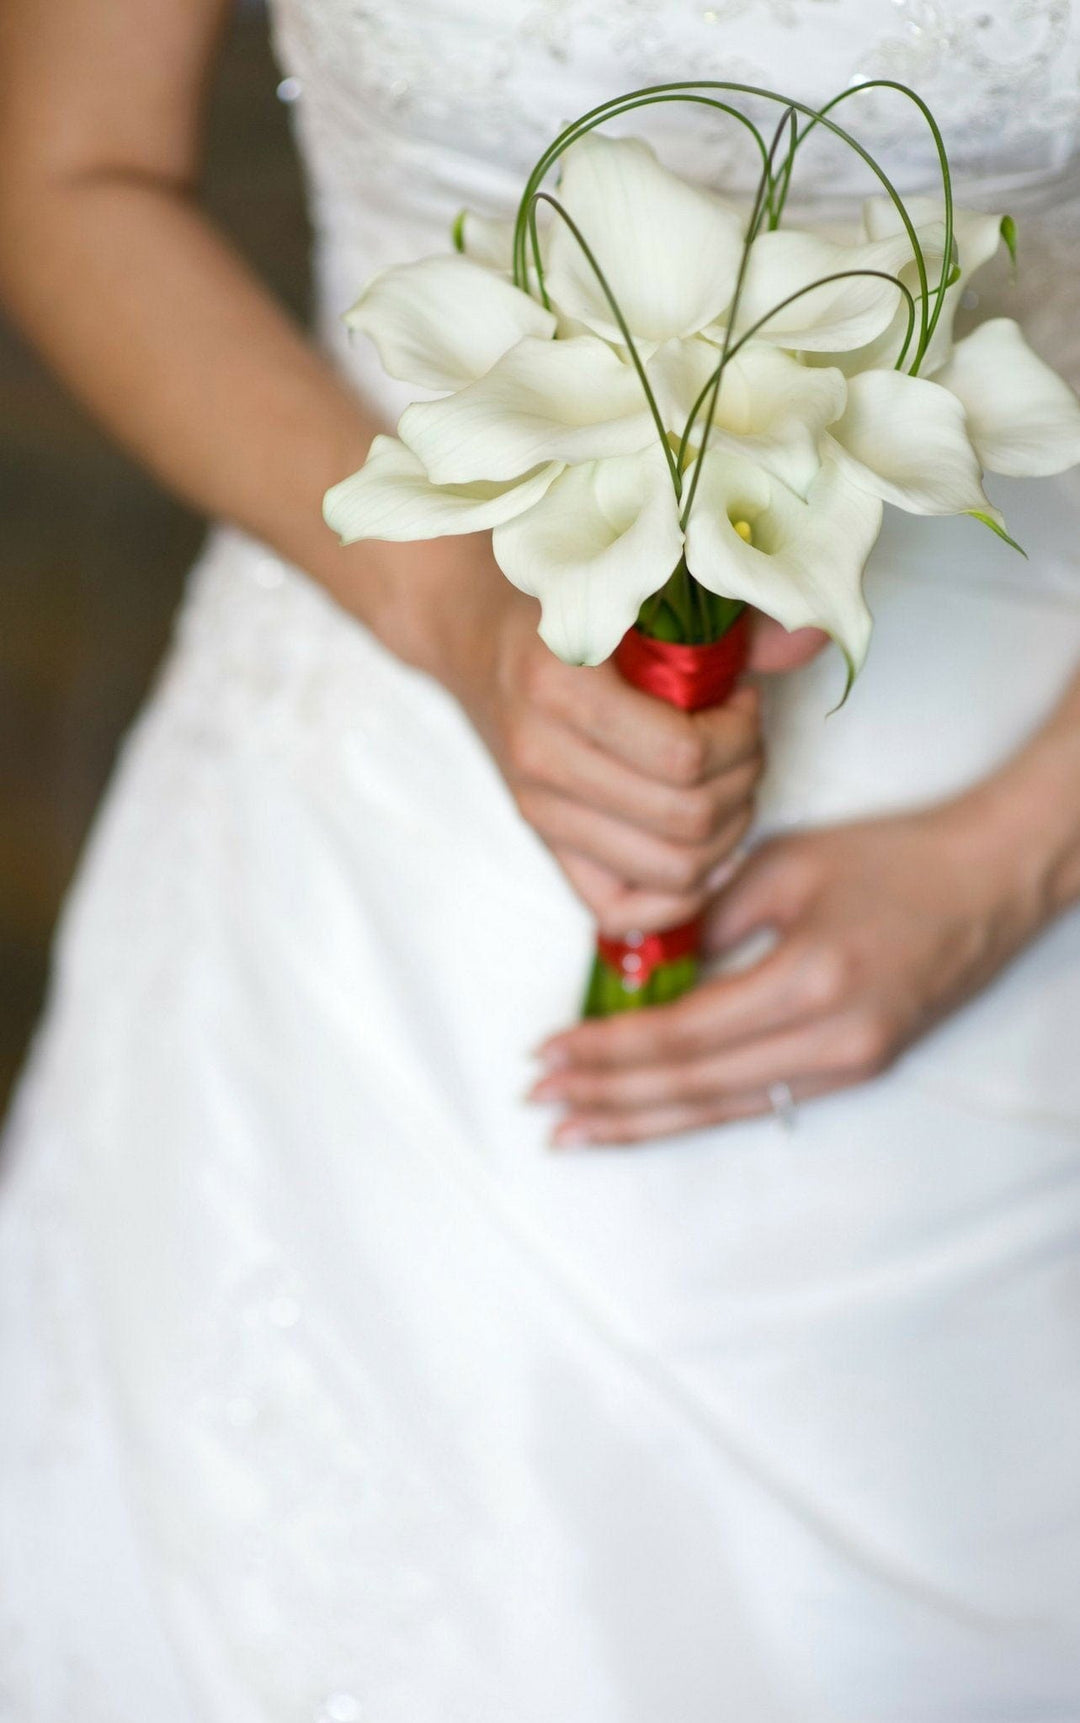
x,y
159,327
1027,815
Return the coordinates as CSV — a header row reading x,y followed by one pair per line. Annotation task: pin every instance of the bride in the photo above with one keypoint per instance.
x,y
331,1392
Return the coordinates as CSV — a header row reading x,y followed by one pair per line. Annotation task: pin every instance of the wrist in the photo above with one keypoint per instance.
x,y
436,604
1024,824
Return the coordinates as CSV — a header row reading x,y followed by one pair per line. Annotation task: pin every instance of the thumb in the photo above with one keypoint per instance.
x,y
774,649
762,894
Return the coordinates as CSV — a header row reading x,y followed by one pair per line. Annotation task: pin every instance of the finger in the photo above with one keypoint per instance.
x,y
550,754
614,1130
808,1051
731,731
619,908
783,989
655,738
774,649
770,889
636,856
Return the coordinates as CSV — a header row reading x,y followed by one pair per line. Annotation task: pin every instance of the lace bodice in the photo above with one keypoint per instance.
x,y
485,83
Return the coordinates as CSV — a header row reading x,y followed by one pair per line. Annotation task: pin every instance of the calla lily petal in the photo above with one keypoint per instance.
x,y
543,401
1021,416
976,237
771,409
905,439
602,540
805,560
391,497
832,317
486,239
670,251
444,321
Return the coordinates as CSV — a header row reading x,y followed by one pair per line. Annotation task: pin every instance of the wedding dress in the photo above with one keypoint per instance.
x,y
330,1395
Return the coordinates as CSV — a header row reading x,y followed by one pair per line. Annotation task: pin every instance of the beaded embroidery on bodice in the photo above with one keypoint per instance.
x,y
408,110
485,84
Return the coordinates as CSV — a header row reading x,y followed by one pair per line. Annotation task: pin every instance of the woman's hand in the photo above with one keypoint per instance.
x,y
639,802
882,928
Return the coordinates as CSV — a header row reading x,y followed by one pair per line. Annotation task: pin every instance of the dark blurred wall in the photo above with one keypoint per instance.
x,y
93,557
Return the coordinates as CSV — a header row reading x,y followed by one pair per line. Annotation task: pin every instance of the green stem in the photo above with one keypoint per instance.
x,y
763,188
946,187
611,109
624,328
685,91
713,380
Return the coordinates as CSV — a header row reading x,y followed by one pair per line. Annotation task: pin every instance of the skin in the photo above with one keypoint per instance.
x,y
881,929
157,325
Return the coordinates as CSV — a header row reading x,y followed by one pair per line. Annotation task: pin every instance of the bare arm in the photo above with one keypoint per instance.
x,y
134,297
152,319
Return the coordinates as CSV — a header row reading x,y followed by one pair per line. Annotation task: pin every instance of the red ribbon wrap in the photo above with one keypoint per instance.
x,y
691,677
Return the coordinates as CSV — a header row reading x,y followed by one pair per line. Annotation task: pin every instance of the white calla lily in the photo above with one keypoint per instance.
x,y
445,321
1021,416
905,440
670,251
391,497
572,400
803,561
597,544
549,439
770,409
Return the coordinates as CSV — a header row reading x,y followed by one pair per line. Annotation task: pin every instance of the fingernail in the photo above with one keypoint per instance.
x,y
553,1058
545,1090
570,1136
720,875
727,869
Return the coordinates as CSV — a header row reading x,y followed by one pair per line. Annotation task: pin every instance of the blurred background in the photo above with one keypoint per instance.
x,y
93,557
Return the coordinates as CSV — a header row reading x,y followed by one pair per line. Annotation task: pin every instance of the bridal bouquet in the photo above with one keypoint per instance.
x,y
668,408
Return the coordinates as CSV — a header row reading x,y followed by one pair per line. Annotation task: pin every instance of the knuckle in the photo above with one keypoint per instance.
x,y
697,1083
687,755
588,1091
827,974
734,829
669,1087
528,753
739,734
689,866
870,1041
732,794
694,817
747,776
537,680
613,919
805,871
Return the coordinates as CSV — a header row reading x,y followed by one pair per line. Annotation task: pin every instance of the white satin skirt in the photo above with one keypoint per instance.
x,y
332,1395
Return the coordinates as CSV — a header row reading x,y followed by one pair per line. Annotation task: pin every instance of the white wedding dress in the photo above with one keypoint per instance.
x,y
329,1394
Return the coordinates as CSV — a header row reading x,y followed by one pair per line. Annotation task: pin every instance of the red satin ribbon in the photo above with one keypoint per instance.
x,y
637,956
691,677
